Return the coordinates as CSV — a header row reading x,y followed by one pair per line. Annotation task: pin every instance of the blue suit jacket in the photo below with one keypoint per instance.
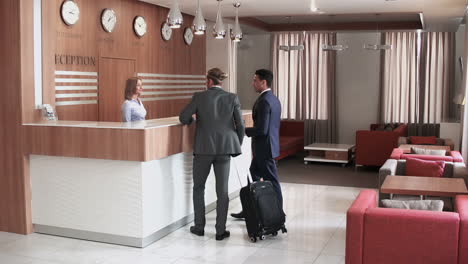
x,y
265,132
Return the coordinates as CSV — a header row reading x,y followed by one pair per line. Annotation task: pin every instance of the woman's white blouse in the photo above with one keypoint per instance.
x,y
133,110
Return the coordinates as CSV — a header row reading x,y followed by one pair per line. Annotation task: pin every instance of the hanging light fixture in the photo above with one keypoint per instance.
x,y
236,33
219,31
199,24
377,46
174,18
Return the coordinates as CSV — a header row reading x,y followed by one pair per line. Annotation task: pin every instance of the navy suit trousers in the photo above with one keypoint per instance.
x,y
266,169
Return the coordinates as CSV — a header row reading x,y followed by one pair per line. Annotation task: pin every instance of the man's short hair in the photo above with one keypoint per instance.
x,y
266,75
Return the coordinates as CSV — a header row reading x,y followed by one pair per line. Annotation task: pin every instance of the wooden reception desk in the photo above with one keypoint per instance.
x,y
122,183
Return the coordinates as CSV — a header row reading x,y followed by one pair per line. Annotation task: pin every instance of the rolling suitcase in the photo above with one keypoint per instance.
x,y
262,210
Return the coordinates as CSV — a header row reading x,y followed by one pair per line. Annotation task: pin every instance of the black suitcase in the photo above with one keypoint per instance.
x,y
262,210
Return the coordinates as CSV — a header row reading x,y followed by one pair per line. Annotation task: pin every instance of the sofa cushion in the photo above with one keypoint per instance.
x,y
430,205
423,140
427,168
421,151
290,142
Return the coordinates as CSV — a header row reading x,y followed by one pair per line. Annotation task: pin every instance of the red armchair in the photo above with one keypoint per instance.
x,y
452,156
384,235
291,138
374,147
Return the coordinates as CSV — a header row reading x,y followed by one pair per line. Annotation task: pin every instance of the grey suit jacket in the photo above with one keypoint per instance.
x,y
220,128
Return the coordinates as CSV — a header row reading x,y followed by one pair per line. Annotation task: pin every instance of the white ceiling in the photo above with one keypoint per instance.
x,y
438,15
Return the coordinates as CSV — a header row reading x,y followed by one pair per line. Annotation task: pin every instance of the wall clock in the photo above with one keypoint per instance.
x,y
166,31
139,26
70,12
108,20
188,36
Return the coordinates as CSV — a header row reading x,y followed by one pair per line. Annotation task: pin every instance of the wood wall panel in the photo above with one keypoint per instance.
x,y
15,64
151,53
77,112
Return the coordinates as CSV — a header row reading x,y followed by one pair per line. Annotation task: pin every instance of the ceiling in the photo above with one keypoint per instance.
x,y
436,15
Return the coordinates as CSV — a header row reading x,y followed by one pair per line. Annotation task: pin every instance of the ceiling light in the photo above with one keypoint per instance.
x,y
199,24
219,31
174,18
236,33
328,47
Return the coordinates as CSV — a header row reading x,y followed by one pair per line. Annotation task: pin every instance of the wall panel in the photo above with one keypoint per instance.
x,y
151,53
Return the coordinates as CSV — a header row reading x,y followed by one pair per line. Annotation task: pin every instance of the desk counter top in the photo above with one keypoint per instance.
x,y
133,141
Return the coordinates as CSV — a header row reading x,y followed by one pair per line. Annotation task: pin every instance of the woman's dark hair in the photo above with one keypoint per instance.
x,y
216,75
266,75
130,87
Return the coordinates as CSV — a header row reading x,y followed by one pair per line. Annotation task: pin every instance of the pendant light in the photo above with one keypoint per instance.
x,y
199,24
174,18
219,31
236,33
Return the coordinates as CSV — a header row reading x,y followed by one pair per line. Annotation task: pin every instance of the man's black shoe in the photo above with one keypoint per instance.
x,y
238,215
197,231
224,235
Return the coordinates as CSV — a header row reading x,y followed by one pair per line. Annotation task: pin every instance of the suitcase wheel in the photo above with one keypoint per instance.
x,y
253,239
274,233
262,237
284,230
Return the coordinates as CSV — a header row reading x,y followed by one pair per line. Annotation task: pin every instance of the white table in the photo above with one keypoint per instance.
x,y
325,152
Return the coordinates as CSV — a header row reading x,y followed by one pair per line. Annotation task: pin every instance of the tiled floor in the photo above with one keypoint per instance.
x,y
316,234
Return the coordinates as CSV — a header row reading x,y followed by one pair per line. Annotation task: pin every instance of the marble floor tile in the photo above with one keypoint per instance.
x,y
316,222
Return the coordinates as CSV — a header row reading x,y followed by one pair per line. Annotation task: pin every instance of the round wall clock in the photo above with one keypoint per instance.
x,y
70,12
139,26
108,20
166,31
188,36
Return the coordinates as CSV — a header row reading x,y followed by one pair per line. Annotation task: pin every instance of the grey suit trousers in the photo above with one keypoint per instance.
x,y
201,169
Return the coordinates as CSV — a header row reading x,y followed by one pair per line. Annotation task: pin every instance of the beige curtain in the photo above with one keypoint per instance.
x,y
464,117
399,82
436,76
232,62
305,82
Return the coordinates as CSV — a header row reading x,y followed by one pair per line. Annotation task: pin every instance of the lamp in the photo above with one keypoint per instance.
x,y
199,24
334,47
377,46
219,31
174,18
290,47
236,33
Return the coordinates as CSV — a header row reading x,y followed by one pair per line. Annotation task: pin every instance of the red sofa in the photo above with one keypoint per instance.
x,y
453,156
291,138
374,147
384,235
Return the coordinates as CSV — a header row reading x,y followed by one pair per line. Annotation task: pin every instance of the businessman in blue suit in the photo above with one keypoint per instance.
x,y
265,133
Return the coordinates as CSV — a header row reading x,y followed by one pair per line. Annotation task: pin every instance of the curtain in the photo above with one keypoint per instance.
x,y
400,74
464,117
305,82
232,65
416,77
436,75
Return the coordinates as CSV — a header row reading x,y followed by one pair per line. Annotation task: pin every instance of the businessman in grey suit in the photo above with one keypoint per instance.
x,y
218,136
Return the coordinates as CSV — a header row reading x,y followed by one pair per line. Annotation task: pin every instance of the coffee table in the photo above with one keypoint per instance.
x,y
432,186
407,147
326,152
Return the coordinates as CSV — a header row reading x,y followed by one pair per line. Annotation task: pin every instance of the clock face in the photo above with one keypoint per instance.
x,y
70,12
108,19
166,31
188,36
139,26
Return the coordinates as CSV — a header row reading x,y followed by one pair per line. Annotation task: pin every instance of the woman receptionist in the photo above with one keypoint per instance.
x,y
133,108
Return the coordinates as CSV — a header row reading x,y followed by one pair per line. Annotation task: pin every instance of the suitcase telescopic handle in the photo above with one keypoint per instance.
x,y
249,177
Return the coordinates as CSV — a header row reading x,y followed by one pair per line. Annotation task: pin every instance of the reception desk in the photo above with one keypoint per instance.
x,y
123,183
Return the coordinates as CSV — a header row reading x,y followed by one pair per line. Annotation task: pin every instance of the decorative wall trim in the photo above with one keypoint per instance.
x,y
171,75
71,85
76,95
76,73
156,84
61,103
